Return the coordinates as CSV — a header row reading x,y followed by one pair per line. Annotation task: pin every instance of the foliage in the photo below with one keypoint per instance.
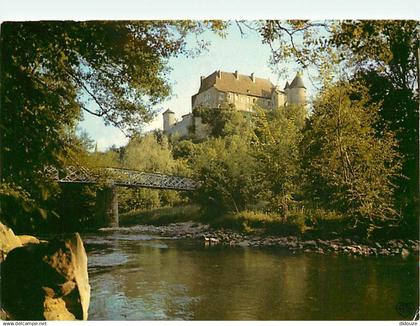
x,y
226,171
75,207
182,149
276,149
52,71
162,215
328,224
136,199
348,167
252,158
384,56
17,200
249,221
150,153
225,120
109,158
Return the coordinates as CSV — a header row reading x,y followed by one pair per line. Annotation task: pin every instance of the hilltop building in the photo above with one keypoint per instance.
x,y
243,91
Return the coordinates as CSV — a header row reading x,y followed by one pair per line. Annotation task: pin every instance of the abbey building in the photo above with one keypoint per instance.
x,y
242,91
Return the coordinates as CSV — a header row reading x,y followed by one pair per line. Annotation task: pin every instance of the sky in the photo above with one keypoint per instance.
x,y
244,53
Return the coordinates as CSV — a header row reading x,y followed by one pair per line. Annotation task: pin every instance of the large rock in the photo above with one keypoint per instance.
x,y
28,239
47,281
8,241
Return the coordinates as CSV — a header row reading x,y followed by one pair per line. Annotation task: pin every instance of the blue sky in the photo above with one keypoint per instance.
x,y
235,52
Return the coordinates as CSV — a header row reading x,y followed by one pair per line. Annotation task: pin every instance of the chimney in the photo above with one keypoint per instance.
x,y
202,78
253,77
236,74
219,74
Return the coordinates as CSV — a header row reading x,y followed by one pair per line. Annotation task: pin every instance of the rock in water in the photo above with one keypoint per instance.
x,y
47,281
405,253
8,241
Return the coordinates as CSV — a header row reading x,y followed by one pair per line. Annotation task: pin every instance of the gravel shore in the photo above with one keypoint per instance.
x,y
220,237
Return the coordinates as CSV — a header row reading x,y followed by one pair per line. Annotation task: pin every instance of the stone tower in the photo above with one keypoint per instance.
x,y
168,119
296,91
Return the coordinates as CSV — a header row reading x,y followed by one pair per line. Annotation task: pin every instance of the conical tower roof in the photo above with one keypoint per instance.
x,y
297,82
168,111
287,85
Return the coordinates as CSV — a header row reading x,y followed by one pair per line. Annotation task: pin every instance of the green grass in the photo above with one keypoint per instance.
x,y
161,216
259,222
317,224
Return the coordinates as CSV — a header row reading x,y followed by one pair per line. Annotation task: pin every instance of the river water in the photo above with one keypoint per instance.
x,y
137,276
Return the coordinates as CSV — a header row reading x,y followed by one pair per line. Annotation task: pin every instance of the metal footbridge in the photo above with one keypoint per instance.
x,y
120,177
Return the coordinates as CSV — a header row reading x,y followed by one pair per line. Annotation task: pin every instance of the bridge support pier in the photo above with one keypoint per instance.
x,y
106,208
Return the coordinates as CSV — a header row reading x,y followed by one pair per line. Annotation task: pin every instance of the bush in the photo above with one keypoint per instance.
x,y
322,223
260,222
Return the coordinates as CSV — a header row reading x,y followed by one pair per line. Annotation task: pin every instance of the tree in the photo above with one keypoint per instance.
x,y
381,54
53,71
150,153
147,153
227,173
348,167
251,159
276,148
224,120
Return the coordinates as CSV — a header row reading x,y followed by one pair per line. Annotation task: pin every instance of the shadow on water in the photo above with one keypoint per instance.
x,y
143,277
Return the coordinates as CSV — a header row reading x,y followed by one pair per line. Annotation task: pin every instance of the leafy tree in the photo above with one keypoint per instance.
x,y
226,170
146,153
349,168
53,71
150,153
276,148
384,56
183,149
251,159
225,120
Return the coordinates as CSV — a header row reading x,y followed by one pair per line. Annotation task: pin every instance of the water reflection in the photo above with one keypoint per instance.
x,y
144,278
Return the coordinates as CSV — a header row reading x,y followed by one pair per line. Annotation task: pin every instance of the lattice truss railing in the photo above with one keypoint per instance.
x,y
120,177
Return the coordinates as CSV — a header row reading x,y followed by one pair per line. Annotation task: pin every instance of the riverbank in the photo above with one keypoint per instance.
x,y
209,236
161,216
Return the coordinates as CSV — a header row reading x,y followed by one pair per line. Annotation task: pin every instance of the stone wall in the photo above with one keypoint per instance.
x,y
201,130
245,102
181,128
168,120
296,96
210,98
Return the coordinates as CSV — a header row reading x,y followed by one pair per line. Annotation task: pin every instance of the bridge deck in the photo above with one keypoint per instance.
x,y
120,177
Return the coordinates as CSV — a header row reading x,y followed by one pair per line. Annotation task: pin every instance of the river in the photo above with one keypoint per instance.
x,y
136,276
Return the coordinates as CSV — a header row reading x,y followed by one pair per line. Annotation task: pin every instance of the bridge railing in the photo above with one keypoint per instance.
x,y
120,177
